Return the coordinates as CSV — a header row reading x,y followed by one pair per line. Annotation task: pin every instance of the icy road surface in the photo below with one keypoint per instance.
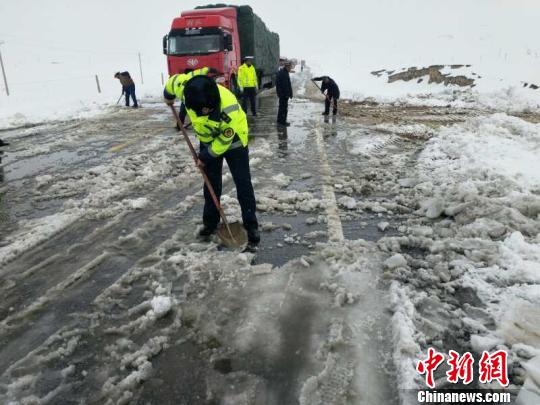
x,y
107,297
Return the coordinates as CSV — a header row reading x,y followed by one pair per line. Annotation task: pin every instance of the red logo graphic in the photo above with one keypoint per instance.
x,y
461,368
429,366
491,367
494,367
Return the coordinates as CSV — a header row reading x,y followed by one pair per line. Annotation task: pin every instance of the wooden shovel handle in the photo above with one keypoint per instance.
x,y
205,177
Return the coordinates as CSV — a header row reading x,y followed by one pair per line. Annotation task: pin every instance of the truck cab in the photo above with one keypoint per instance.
x,y
205,37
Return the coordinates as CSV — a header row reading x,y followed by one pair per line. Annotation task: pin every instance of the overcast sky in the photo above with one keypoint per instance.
x,y
325,33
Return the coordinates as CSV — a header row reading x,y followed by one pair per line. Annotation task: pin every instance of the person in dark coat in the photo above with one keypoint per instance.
x,y
331,90
2,143
128,87
284,93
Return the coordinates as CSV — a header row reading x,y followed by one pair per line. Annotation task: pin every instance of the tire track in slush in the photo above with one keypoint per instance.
x,y
335,228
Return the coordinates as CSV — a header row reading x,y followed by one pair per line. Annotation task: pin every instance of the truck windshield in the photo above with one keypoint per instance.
x,y
194,44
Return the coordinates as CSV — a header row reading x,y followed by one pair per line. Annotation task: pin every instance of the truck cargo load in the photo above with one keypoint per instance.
x,y
255,39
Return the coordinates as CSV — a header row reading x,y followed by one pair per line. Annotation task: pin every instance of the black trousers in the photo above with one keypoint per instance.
x,y
238,162
250,93
130,92
327,104
283,110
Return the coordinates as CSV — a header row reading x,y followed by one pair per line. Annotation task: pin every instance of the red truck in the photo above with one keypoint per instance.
x,y
221,36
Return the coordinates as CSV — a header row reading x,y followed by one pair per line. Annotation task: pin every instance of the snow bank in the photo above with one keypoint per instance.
x,y
479,273
497,144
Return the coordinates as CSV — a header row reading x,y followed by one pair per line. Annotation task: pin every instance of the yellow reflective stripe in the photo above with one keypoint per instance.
x,y
231,108
174,81
225,141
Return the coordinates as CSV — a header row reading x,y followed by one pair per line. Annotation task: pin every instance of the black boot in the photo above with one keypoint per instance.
x,y
205,232
2,143
254,237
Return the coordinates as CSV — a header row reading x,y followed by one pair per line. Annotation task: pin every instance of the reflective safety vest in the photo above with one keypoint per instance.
x,y
247,76
175,84
224,129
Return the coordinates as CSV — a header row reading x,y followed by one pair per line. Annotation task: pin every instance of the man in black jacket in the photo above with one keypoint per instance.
x,y
128,87
332,93
284,93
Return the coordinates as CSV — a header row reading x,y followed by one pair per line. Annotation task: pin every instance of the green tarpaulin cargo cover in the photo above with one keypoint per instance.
x,y
255,39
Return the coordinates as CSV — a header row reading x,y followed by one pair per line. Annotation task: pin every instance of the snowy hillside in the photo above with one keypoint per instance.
x,y
54,77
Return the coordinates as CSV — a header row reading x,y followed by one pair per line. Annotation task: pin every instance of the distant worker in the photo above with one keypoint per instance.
x,y
128,87
284,93
248,83
302,65
220,124
331,90
2,143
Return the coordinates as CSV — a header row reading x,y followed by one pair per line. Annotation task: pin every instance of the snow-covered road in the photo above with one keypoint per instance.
x,y
370,253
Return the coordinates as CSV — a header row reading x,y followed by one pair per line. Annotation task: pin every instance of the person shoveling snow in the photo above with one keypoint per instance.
x,y
221,126
331,91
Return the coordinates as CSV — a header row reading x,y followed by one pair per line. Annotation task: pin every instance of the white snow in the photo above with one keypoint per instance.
x,y
476,184
497,144
34,232
347,202
138,203
161,305
282,180
395,261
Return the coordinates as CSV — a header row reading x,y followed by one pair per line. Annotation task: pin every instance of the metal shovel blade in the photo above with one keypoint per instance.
x,y
239,235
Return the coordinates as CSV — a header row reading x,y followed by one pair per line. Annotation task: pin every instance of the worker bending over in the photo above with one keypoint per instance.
x,y
331,90
221,126
128,87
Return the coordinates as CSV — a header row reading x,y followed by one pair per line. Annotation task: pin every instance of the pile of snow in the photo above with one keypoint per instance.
x,y
478,224
495,145
161,305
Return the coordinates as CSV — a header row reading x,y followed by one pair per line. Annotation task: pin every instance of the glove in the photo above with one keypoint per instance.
x,y
168,102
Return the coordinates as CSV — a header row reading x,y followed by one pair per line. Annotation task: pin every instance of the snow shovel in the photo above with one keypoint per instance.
x,y
316,85
231,234
119,98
